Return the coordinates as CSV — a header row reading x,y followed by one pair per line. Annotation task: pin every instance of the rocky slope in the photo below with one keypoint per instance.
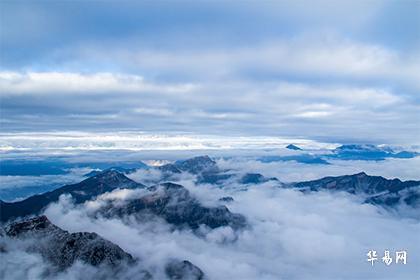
x,y
375,189
86,190
61,249
177,206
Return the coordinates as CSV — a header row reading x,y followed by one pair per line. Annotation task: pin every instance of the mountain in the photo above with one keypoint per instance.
x,y
57,166
169,168
177,206
208,172
293,147
196,165
376,189
254,178
226,199
367,152
178,270
114,168
214,177
303,158
62,249
204,167
88,189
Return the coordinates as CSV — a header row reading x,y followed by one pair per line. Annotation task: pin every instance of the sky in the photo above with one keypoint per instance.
x,y
337,71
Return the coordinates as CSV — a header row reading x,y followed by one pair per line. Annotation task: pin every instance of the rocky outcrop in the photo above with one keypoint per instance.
x,y
357,183
255,178
196,165
62,249
183,270
177,206
376,189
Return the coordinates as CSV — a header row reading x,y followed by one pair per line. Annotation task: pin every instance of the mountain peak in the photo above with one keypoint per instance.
x,y
359,147
89,188
108,173
34,224
293,147
62,248
196,164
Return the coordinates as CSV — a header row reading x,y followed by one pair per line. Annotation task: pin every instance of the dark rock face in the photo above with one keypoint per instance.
x,y
196,165
175,204
409,196
169,168
255,178
207,172
62,248
378,189
88,189
226,199
293,147
203,166
183,270
213,177
358,183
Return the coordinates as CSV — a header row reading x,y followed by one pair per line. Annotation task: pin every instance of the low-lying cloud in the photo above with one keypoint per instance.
x,y
291,236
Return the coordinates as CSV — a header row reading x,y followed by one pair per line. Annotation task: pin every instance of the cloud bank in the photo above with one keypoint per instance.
x,y
292,236
327,73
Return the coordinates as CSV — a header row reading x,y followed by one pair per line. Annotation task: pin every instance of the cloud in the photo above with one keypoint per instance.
x,y
91,102
72,83
74,141
188,73
404,169
19,187
292,235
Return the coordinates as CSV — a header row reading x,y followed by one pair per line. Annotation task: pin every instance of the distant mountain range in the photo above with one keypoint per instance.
x,y
368,152
344,152
170,201
166,201
80,192
59,166
375,189
158,198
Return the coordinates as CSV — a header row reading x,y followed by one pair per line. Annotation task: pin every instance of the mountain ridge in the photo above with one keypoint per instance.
x,y
81,192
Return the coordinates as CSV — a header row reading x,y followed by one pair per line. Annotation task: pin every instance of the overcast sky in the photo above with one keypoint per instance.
x,y
337,71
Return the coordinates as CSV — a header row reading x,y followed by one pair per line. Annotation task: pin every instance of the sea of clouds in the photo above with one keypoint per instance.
x,y
291,235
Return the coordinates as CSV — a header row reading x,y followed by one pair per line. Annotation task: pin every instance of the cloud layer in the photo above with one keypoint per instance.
x,y
328,73
292,236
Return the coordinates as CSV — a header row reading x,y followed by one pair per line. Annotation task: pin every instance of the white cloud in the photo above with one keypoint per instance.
x,y
323,54
292,235
137,141
67,82
291,171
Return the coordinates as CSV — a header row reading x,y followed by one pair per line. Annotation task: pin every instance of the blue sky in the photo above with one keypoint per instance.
x,y
342,71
